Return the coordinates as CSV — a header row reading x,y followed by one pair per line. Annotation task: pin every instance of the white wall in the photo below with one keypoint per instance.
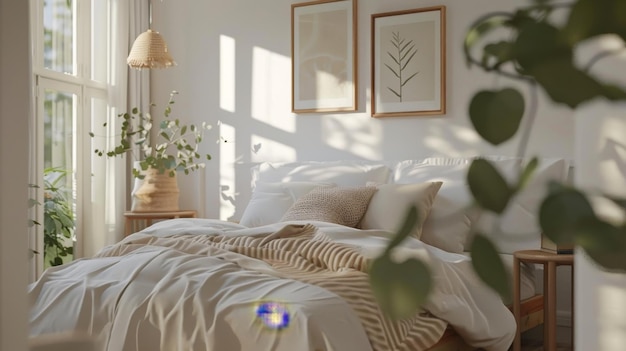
x,y
234,66
14,150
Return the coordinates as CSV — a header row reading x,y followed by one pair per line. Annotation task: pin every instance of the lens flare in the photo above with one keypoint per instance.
x,y
273,315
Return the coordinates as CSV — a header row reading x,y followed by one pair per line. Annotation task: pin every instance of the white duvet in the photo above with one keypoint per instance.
x,y
151,297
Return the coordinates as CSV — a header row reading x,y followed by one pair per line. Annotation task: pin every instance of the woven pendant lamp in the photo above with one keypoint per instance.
x,y
150,51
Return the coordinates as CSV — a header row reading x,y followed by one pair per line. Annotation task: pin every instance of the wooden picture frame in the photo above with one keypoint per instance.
x,y
409,62
324,56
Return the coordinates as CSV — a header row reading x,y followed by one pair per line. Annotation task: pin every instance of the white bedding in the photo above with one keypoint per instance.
x,y
153,296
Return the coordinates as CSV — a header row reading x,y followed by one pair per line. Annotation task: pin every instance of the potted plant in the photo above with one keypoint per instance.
x,y
59,222
160,150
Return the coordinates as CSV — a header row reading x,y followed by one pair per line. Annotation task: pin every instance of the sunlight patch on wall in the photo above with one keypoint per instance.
x,y
269,150
227,73
228,156
446,141
353,135
271,84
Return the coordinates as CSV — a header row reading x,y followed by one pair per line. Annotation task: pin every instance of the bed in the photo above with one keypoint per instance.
x,y
292,274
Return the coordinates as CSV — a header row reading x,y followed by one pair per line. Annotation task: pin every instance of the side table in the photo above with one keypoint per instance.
x,y
135,221
550,261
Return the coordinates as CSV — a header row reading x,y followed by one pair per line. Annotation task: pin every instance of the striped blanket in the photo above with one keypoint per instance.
x,y
303,253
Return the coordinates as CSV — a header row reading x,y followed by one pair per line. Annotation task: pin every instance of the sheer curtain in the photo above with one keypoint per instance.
x,y
110,177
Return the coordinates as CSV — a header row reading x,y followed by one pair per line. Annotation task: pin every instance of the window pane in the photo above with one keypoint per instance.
x,y
59,186
99,40
58,28
99,111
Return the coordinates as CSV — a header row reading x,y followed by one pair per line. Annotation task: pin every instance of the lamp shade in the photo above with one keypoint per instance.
x,y
150,51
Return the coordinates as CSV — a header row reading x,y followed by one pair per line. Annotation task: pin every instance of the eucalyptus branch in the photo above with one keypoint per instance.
x,y
178,149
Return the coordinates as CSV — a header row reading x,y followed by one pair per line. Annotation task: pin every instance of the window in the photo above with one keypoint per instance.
x,y
70,66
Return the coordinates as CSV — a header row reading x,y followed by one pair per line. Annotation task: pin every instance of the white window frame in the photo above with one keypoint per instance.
x,y
85,89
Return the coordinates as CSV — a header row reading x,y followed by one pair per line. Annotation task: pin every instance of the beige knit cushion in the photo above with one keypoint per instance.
x,y
340,205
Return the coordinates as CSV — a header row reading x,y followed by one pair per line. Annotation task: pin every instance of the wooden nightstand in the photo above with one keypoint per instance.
x,y
550,261
135,221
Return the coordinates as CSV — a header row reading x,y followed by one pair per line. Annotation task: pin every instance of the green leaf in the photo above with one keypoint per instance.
x,y
489,266
496,115
604,243
589,18
562,212
410,219
400,288
502,51
538,42
527,173
489,188
567,84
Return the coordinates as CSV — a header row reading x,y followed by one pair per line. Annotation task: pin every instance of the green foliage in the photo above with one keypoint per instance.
x,y
541,53
175,147
400,288
489,188
59,222
489,267
496,115
405,51
534,50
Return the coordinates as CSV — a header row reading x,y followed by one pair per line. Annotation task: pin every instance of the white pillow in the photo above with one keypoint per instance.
x,y
270,201
265,208
390,203
342,173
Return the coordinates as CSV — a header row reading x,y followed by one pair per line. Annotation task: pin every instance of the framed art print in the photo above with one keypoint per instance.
x,y
409,63
323,52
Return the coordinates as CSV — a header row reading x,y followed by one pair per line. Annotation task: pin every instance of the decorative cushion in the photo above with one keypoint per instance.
x,y
449,222
270,201
389,205
340,205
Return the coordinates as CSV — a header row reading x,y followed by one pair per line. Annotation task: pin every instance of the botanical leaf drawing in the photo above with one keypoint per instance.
x,y
405,51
